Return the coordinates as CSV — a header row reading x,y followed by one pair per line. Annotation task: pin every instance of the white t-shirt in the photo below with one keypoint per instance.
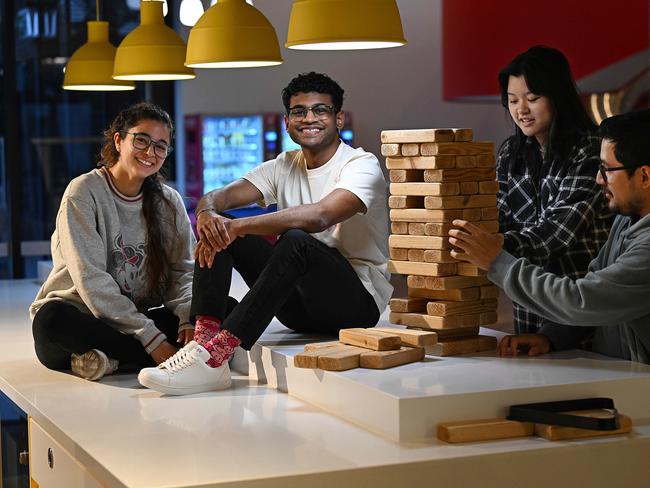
x,y
363,238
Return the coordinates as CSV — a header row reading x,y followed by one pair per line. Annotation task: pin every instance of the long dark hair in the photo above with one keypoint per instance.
x,y
547,72
155,205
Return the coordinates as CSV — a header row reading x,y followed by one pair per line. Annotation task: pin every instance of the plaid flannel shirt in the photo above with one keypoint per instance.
x,y
551,212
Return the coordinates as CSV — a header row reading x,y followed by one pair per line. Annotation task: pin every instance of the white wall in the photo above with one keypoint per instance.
x,y
398,88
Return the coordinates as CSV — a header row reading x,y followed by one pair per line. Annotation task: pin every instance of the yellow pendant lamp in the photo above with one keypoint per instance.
x,y
344,24
91,66
152,51
232,34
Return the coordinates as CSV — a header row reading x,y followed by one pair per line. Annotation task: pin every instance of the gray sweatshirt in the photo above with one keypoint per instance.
x,y
613,298
98,249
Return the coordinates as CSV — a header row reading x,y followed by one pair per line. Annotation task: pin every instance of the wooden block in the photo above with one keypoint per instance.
x,y
390,149
558,433
488,318
438,256
406,305
390,359
485,160
466,162
398,254
463,345
315,346
451,282
489,213
416,255
399,228
410,337
370,339
403,201
456,148
488,291
456,333
309,358
340,359
472,214
405,175
444,307
483,430
419,242
425,321
469,187
424,189
421,268
488,187
421,162
491,226
450,175
459,201
457,295
424,215
468,269
443,228
416,228
462,134
410,149
418,135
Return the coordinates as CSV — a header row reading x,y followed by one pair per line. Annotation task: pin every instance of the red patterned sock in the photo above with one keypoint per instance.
x,y
221,347
205,328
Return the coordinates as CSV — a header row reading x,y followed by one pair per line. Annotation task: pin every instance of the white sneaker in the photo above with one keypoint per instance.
x,y
92,365
186,372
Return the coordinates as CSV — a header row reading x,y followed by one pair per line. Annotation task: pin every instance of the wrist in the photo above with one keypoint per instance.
x,y
205,209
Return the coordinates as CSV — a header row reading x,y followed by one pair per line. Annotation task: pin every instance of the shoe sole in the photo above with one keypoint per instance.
x,y
90,366
178,391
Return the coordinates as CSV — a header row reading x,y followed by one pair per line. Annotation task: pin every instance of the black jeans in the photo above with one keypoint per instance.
x,y
60,329
307,285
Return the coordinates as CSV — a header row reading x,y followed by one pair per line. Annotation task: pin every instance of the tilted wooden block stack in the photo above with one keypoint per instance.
x,y
436,176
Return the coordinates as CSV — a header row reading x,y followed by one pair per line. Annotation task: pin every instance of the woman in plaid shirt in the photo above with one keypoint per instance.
x,y
551,209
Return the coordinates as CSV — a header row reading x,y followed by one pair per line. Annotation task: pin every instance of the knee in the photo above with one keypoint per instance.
x,y
294,236
48,319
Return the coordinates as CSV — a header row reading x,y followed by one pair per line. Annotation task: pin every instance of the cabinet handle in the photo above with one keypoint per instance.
x,y
23,458
50,458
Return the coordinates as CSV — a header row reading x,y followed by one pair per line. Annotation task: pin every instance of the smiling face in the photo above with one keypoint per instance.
x,y
134,165
532,113
315,134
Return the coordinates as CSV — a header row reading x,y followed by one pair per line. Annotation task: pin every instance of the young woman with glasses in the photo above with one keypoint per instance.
x,y
552,211
120,290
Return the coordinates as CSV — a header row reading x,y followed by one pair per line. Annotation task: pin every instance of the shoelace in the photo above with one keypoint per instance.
x,y
182,359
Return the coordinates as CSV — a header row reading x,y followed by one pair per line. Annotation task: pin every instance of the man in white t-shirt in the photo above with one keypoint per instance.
x,y
327,271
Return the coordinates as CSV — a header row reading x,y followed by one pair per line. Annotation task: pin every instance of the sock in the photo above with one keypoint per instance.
x,y
205,328
221,348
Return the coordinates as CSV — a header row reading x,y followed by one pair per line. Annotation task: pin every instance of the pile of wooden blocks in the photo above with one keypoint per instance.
x,y
376,348
438,175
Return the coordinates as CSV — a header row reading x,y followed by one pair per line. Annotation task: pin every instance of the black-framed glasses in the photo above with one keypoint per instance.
x,y
320,111
604,169
142,141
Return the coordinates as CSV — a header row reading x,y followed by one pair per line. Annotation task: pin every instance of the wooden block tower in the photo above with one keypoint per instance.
x,y
436,176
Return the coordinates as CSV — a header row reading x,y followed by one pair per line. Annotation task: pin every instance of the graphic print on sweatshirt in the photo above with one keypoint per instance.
x,y
127,266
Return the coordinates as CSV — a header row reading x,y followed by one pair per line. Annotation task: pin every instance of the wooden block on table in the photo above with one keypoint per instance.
x,y
468,269
340,359
459,333
405,202
398,254
443,228
457,295
489,291
466,345
466,162
483,430
485,160
410,149
456,148
315,346
424,189
451,282
390,150
438,256
309,358
450,175
469,187
447,307
459,201
370,339
421,162
488,318
416,255
390,359
462,134
419,242
489,213
405,305
405,175
399,228
423,215
488,187
426,321
472,214
421,268
418,135
558,433
416,228
411,337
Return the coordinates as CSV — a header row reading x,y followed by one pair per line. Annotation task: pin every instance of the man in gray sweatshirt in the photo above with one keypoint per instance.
x,y
611,304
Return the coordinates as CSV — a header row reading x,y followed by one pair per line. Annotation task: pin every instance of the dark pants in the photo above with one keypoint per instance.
x,y
308,286
60,330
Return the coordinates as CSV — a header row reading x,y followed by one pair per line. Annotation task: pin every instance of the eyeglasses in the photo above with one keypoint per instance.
x,y
142,141
320,111
604,169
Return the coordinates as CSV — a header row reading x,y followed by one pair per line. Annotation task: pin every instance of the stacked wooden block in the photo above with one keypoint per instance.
x,y
438,175
377,348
